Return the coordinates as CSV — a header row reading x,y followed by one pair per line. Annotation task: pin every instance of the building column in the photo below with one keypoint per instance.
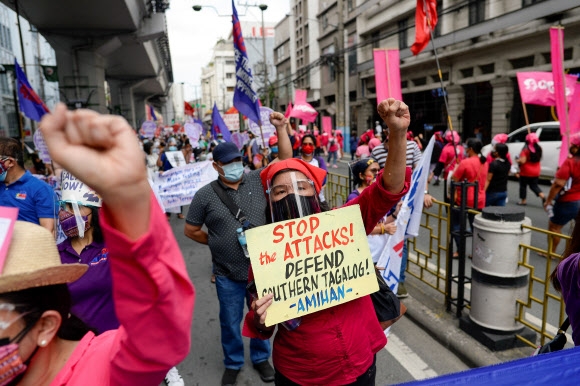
x,y
456,101
502,103
81,73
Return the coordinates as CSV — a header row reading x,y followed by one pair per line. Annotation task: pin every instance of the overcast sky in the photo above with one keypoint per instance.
x,y
192,34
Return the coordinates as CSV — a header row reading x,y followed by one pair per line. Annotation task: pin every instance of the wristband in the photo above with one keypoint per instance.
x,y
382,229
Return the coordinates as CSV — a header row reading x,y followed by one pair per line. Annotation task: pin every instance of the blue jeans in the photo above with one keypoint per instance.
x,y
495,198
331,155
403,262
231,295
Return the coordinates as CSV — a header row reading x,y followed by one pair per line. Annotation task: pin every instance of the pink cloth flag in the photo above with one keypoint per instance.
x,y
557,50
387,74
327,125
8,216
302,109
537,88
574,114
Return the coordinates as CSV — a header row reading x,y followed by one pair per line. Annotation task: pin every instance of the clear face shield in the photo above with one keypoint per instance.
x,y
292,195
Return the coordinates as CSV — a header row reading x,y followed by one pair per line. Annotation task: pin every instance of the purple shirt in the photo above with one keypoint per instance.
x,y
569,277
92,294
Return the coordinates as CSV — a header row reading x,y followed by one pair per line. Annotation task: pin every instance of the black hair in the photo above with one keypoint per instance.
x,y
147,146
10,147
311,136
537,155
96,225
33,302
502,150
476,145
360,167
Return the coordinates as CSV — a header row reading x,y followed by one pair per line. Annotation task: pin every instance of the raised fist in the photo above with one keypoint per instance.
x,y
278,119
396,115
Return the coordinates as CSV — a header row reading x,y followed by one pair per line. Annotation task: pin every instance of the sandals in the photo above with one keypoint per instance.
x,y
521,203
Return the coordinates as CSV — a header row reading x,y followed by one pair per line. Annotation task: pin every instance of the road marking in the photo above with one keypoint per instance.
x,y
408,359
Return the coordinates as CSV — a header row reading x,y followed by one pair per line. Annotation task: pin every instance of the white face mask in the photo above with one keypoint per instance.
x,y
233,172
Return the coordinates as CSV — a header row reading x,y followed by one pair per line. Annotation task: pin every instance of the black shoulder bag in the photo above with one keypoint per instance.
x,y
558,342
227,200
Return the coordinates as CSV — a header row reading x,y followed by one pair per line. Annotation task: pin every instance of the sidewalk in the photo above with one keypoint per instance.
x,y
426,308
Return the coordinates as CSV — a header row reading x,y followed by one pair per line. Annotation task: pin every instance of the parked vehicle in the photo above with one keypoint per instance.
x,y
550,141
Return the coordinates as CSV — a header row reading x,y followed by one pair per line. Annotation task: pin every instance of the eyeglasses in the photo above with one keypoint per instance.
x,y
304,187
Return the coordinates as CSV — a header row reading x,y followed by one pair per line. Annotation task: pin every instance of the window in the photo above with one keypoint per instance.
x,y
349,5
403,40
4,88
476,11
230,89
519,136
230,63
352,59
550,134
229,75
437,31
525,3
376,39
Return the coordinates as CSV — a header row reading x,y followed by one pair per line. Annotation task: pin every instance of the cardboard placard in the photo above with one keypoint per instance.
x,y
312,263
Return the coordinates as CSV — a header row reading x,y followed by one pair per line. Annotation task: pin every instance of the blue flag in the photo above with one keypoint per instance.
x,y
218,126
152,112
245,98
30,103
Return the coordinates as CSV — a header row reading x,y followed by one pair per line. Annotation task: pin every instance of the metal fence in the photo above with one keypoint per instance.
x,y
337,189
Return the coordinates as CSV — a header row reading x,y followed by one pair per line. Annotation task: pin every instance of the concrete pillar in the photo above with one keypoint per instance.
x,y
456,100
81,74
502,103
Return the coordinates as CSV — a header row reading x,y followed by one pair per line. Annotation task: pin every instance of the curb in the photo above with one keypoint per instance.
x,y
445,328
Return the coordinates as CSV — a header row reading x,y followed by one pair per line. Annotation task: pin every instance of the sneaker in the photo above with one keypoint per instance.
x,y
266,371
335,166
436,183
173,378
229,377
402,291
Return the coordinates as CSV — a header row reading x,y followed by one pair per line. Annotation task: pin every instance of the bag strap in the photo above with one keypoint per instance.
x,y
227,200
565,325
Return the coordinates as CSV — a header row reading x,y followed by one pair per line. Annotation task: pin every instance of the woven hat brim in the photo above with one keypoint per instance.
x,y
65,273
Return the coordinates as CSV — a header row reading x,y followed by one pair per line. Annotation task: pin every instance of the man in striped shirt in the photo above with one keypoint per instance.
x,y
379,153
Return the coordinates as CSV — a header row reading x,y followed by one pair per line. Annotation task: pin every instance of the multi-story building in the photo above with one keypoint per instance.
x,y
38,53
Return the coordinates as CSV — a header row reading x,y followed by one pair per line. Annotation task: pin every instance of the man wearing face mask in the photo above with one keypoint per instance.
x,y
230,263
34,199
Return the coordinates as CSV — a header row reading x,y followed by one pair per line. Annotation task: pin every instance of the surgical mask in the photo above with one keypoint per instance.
x,y
274,149
68,224
308,149
233,172
172,148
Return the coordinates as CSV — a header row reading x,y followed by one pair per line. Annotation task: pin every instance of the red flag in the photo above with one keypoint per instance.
x,y
425,22
188,109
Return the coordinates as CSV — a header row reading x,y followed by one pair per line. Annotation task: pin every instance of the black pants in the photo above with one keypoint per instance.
x,y
532,182
365,379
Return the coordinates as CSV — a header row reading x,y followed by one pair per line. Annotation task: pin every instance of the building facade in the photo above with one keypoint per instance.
x,y
37,53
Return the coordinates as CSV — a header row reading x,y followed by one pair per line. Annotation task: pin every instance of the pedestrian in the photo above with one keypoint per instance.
x,y
363,151
353,144
334,346
230,264
165,165
566,280
273,143
151,158
472,169
529,163
38,167
333,149
412,155
451,156
564,193
496,192
35,199
307,155
436,154
47,343
499,138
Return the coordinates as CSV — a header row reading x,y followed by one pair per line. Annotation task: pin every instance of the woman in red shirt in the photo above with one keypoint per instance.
x,y
472,169
529,161
334,346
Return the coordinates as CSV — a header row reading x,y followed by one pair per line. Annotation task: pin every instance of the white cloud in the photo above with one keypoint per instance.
x,y
192,34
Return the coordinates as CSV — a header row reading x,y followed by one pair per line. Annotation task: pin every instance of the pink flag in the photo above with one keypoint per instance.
x,y
8,216
537,88
574,114
302,109
288,110
387,74
557,49
327,125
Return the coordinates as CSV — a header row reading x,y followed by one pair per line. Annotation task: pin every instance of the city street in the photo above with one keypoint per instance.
x,y
410,354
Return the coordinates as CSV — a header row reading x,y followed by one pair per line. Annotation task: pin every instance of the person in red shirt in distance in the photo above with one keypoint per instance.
x,y
529,162
334,346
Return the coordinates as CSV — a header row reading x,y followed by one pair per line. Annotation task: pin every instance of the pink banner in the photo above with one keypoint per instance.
x,y
557,49
537,88
387,74
302,109
327,125
574,113
288,110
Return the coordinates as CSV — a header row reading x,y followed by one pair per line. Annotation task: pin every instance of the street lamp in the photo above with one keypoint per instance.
x,y
264,7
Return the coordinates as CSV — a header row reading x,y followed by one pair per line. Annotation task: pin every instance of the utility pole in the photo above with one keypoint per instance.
x,y
264,7
340,83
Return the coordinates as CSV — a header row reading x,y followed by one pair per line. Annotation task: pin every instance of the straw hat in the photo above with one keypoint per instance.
x,y
33,260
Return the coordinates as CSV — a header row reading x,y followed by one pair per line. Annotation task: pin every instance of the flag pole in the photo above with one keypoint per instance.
x,y
17,105
262,135
441,80
526,117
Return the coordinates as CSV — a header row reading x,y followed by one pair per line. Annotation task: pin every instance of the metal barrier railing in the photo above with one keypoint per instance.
x,y
429,264
545,296
337,189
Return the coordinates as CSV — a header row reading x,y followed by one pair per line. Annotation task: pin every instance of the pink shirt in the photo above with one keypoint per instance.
x,y
154,303
448,157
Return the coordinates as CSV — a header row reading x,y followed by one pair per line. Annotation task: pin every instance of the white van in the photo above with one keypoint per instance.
x,y
550,141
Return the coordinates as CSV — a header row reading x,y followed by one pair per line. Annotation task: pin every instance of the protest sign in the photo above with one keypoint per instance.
x,y
232,121
176,187
74,190
41,147
175,158
239,139
148,129
312,263
8,218
267,128
193,131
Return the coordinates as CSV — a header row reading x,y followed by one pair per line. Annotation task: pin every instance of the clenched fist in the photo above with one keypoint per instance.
x,y
278,119
396,115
